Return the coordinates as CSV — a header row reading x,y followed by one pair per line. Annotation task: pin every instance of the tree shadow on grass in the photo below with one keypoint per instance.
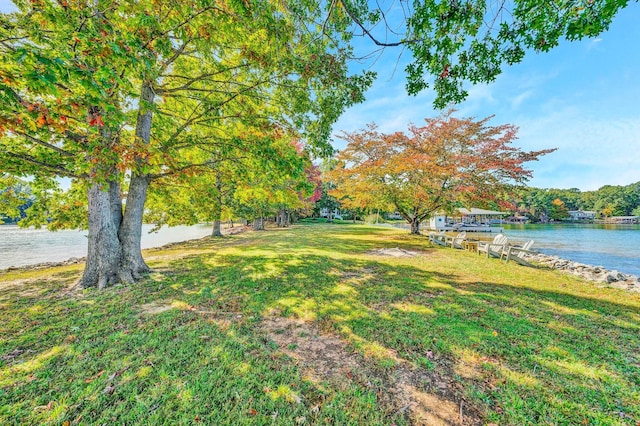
x,y
524,356
517,354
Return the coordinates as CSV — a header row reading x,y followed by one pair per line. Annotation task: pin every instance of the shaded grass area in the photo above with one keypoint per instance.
x,y
524,346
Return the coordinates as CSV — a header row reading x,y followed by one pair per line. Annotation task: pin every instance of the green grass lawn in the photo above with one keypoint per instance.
x,y
306,326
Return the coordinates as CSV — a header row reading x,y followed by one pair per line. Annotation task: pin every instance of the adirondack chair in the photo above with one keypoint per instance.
x,y
457,241
495,248
439,238
517,254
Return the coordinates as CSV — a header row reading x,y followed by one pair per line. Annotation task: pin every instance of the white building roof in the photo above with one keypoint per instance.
x,y
478,212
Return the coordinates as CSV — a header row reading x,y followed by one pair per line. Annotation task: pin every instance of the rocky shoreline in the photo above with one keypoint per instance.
x,y
592,273
44,265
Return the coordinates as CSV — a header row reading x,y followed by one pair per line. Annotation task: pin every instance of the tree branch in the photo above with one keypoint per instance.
x,y
54,170
359,23
44,144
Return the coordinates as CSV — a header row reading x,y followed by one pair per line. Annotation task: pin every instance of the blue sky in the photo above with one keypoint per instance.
x,y
582,98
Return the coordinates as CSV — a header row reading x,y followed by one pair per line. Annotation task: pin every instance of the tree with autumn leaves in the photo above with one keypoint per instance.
x,y
446,163
121,94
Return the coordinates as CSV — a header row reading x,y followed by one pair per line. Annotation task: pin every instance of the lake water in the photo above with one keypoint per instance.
x,y
19,247
611,246
614,247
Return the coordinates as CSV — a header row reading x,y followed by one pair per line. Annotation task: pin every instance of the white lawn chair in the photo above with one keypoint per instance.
x,y
439,238
457,241
495,248
518,254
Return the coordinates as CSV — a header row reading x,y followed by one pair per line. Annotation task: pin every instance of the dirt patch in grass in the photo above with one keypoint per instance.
x,y
155,308
423,397
393,252
359,274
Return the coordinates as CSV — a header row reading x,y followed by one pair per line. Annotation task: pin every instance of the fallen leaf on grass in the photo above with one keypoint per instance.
x,y
117,373
12,355
253,412
95,376
47,407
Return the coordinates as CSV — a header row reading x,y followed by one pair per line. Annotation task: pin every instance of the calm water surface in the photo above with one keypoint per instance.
x,y
19,247
611,246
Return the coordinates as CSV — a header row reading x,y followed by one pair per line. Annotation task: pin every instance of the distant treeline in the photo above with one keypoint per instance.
x,y
537,204
15,199
554,204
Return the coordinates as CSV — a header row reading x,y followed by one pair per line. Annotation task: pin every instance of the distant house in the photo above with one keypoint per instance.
x,y
478,220
394,215
622,220
516,219
581,215
324,212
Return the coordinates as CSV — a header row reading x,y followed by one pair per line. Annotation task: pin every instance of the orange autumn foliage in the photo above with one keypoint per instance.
x,y
445,163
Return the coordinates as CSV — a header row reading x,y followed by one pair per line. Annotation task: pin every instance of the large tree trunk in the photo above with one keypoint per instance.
x,y
415,226
116,203
282,219
217,231
130,232
258,223
104,254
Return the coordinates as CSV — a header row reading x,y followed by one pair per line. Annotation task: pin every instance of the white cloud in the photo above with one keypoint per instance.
x,y
515,103
593,43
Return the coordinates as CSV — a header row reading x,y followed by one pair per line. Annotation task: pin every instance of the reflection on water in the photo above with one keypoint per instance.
x,y
19,247
611,246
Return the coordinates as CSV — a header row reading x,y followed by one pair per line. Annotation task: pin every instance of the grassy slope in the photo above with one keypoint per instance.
x,y
526,346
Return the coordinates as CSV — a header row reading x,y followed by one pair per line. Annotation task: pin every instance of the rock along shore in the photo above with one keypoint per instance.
x,y
596,274
44,265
